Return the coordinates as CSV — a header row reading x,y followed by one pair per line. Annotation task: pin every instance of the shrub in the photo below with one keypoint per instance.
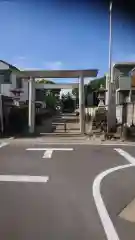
x,y
18,119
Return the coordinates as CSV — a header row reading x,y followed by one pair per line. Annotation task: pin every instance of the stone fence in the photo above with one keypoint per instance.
x,y
125,113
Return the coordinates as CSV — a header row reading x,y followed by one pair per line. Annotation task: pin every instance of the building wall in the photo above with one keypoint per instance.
x,y
3,66
5,88
24,95
12,84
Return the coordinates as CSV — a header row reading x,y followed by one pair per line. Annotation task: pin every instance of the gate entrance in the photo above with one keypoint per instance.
x,y
61,120
64,119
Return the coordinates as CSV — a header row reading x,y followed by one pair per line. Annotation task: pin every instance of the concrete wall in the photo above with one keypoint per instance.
x,y
119,113
90,111
130,112
24,95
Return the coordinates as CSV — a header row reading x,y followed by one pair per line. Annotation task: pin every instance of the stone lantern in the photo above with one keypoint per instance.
x,y
101,96
16,92
100,118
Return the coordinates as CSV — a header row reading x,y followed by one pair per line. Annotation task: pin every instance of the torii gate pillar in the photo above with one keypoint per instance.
x,y
82,105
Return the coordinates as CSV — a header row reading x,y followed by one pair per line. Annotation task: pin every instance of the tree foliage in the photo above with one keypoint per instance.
x,y
51,95
95,84
92,86
67,101
45,81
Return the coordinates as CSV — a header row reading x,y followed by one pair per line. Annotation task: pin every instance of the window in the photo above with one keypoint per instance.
x,y
5,76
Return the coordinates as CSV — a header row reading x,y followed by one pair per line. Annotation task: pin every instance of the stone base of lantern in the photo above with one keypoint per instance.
x,y
100,119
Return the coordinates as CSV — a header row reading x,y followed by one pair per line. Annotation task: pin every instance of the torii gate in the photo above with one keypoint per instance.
x,y
30,75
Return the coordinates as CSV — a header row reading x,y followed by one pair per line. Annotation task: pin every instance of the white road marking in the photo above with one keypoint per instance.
x,y
107,223
3,144
117,144
53,149
23,178
48,153
126,155
108,226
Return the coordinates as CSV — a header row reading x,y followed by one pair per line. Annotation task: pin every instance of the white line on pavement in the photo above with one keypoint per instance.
x,y
102,211
107,223
23,178
118,144
3,144
126,155
48,153
53,149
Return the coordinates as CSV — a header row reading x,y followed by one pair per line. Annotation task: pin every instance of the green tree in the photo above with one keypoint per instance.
x,y
75,92
67,101
51,95
45,81
92,86
96,83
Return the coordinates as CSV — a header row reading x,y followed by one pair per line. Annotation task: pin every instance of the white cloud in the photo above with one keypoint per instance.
x,y
57,65
21,58
22,62
19,61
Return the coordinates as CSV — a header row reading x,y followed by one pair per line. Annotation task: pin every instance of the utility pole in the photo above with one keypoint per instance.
x,y
110,70
1,106
110,42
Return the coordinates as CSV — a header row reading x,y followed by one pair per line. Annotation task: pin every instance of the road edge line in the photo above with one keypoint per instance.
x,y
126,155
106,221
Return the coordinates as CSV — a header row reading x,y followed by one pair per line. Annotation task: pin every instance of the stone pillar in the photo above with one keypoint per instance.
x,y
111,118
82,105
31,115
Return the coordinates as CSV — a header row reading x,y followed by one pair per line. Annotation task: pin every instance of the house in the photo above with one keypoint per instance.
x,y
10,83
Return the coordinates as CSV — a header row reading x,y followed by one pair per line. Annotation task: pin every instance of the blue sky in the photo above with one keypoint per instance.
x,y
48,35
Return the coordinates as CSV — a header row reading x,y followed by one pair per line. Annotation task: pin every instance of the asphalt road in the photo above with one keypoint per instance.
x,y
63,206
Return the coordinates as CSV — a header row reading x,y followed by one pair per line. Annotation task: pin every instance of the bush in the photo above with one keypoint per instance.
x,y
18,119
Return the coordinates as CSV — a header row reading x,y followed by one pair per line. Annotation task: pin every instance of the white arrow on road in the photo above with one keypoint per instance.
x,y
48,151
